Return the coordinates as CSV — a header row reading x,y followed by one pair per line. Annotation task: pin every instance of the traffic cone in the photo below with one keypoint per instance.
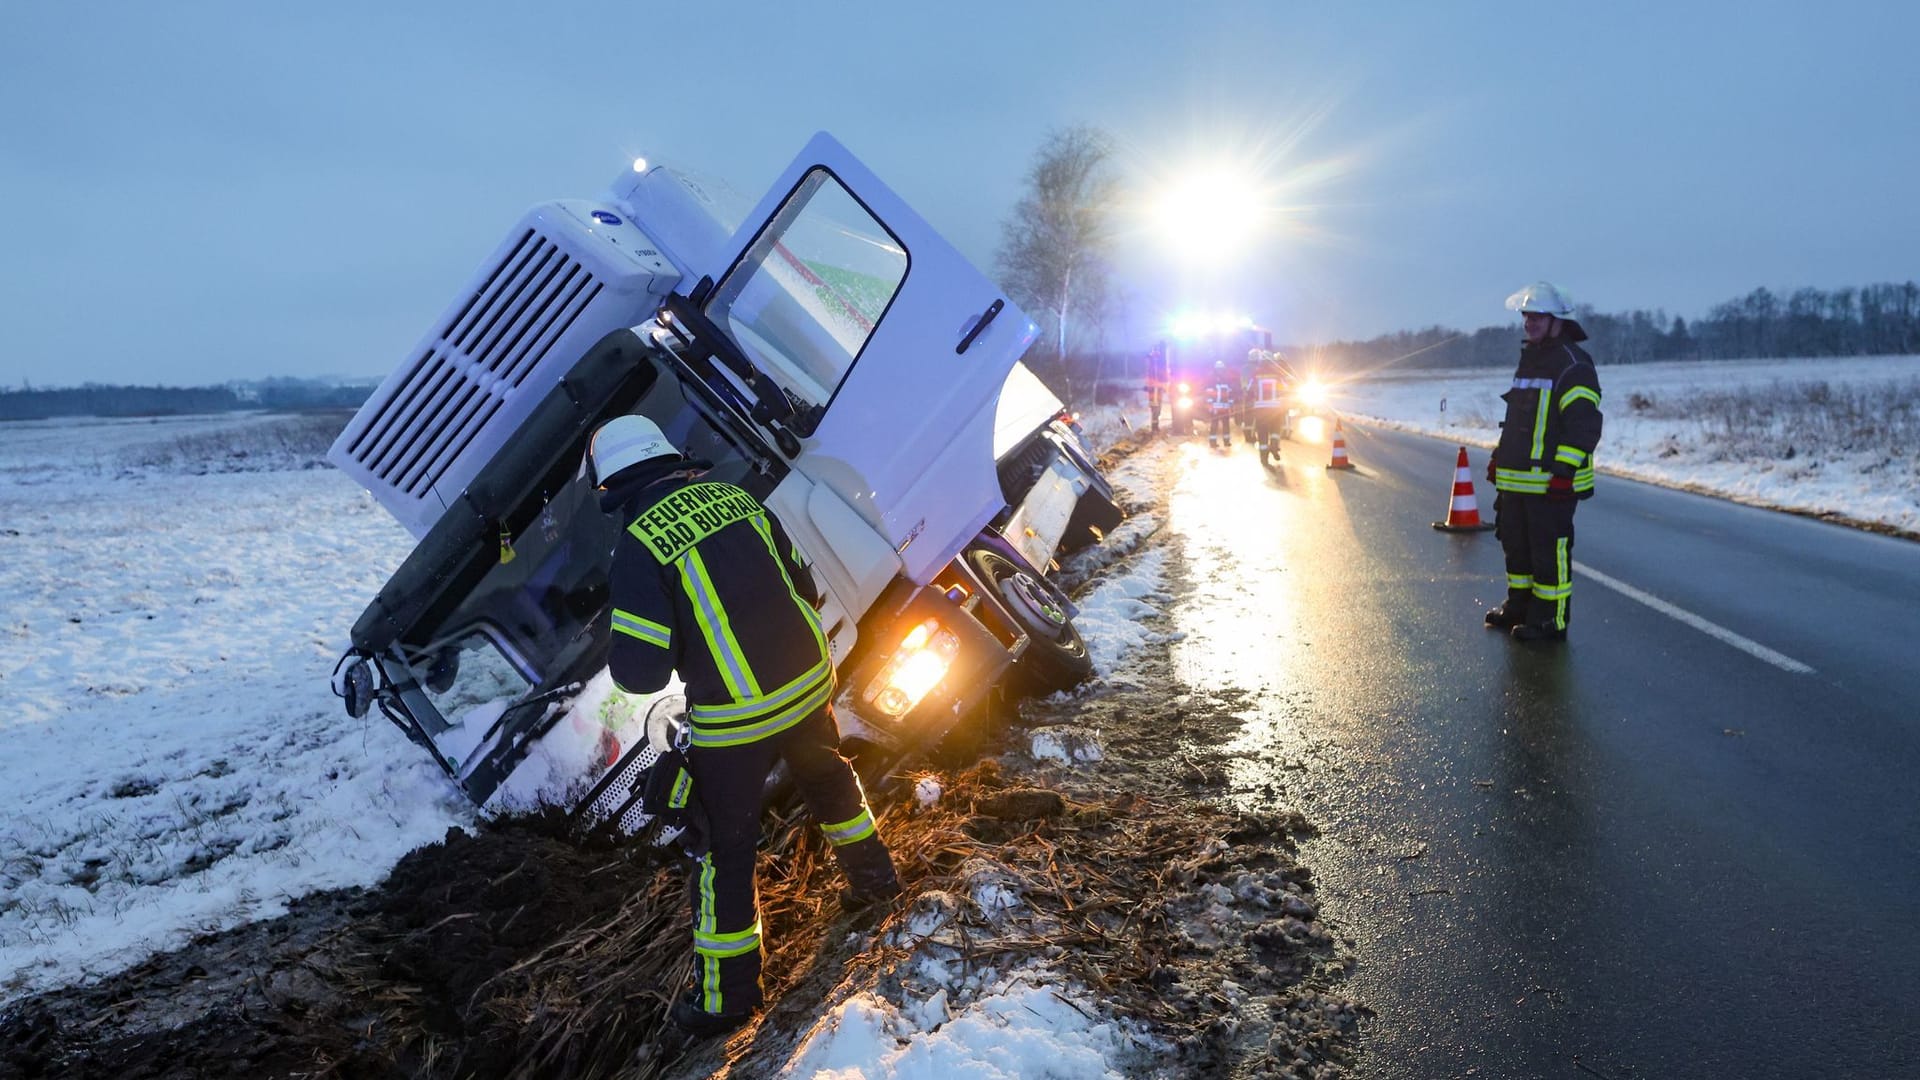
x,y
1463,513
1339,448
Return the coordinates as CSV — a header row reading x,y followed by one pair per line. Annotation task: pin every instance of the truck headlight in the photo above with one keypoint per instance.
x,y
1185,389
1313,393
914,669
1186,402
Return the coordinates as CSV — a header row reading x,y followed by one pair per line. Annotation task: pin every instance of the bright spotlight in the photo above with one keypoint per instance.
x,y
1210,214
639,164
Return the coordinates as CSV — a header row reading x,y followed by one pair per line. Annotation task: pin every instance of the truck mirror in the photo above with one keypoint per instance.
x,y
356,687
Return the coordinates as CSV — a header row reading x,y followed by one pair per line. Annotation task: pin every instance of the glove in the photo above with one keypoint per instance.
x,y
1560,488
1489,469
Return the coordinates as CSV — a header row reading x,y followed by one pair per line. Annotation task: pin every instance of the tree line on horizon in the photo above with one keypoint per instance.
x,y
97,399
1869,320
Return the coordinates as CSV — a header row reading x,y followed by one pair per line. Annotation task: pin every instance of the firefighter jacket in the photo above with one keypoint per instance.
x,y
1553,417
1221,393
705,582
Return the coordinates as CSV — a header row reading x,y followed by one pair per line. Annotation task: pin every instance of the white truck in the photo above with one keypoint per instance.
x,y
832,355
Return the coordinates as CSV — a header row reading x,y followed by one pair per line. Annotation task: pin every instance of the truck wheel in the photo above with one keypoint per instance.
x,y
1056,657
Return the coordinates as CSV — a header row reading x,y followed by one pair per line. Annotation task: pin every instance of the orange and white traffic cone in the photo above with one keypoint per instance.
x,y
1463,513
1339,448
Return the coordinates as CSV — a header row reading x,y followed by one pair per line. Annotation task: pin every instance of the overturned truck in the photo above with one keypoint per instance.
x,y
833,356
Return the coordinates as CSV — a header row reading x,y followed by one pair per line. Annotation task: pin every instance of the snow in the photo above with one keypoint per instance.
x,y
1769,447
1019,1026
172,758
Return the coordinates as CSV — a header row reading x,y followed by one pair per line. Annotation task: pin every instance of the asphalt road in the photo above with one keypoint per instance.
x,y
1684,843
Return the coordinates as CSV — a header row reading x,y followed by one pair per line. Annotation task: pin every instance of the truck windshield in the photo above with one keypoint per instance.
x,y
807,294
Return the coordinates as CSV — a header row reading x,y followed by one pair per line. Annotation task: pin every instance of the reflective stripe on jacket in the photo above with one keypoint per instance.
x,y
1553,418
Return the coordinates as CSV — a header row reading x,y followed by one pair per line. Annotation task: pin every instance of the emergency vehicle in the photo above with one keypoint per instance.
x,y
1193,348
833,355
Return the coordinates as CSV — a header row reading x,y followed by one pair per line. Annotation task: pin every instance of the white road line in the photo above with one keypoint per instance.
x,y
1752,648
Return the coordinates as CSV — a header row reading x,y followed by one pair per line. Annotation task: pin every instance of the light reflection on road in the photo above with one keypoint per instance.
x,y
1247,625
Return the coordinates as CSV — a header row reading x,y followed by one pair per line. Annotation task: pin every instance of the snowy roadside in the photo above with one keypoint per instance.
x,y
173,760
1825,437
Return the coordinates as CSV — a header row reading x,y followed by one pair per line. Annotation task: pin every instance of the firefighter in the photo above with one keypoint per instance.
x,y
1156,383
1542,467
705,581
1267,394
1221,395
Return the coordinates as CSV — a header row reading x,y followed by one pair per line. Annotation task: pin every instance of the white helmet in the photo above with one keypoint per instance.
x,y
625,441
1542,296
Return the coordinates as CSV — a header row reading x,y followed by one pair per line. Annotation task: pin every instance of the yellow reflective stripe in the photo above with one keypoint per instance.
x,y
682,787
1583,479
773,725
813,620
703,921
1540,411
753,707
653,633
1521,481
704,918
716,627
1579,393
1552,592
1570,455
1519,582
851,831
1562,557
732,944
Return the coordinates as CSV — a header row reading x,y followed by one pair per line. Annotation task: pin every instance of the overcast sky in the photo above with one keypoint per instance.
x,y
197,192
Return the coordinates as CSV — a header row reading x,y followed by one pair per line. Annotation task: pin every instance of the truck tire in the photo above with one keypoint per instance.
x,y
1056,656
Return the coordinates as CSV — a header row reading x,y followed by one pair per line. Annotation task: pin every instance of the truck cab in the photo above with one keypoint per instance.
x,y
832,355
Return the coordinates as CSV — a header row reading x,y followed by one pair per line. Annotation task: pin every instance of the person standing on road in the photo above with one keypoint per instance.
x,y
1156,384
1221,396
705,581
1542,467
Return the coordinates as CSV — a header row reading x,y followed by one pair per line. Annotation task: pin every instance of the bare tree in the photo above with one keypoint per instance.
x,y
1055,251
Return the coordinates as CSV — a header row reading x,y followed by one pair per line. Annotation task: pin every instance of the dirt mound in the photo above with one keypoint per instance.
x,y
395,981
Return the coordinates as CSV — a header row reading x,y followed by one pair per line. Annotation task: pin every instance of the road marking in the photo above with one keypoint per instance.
x,y
1746,645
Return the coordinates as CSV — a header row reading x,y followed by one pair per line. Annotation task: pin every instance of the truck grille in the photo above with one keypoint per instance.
x,y
476,360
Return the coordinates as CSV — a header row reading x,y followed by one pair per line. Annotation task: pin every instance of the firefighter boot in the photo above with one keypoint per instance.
x,y
1512,613
695,1022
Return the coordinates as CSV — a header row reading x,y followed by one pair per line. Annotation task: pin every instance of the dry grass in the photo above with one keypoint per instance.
x,y
1094,880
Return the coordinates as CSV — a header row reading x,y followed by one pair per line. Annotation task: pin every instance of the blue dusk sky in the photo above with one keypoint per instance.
x,y
197,192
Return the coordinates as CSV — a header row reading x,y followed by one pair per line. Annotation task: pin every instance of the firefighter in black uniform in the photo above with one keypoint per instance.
x,y
1222,393
1156,383
1543,465
706,582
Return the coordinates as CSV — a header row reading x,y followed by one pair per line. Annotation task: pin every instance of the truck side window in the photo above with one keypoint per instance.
x,y
806,296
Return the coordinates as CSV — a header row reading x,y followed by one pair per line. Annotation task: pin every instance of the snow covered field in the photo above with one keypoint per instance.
x,y
173,763
171,757
1823,436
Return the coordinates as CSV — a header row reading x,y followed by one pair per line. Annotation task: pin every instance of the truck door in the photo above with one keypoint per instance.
x,y
893,347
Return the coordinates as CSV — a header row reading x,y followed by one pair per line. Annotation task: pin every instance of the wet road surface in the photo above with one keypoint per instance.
x,y
1685,843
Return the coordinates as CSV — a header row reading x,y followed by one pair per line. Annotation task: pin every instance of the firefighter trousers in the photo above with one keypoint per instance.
x,y
729,781
1220,425
1537,535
